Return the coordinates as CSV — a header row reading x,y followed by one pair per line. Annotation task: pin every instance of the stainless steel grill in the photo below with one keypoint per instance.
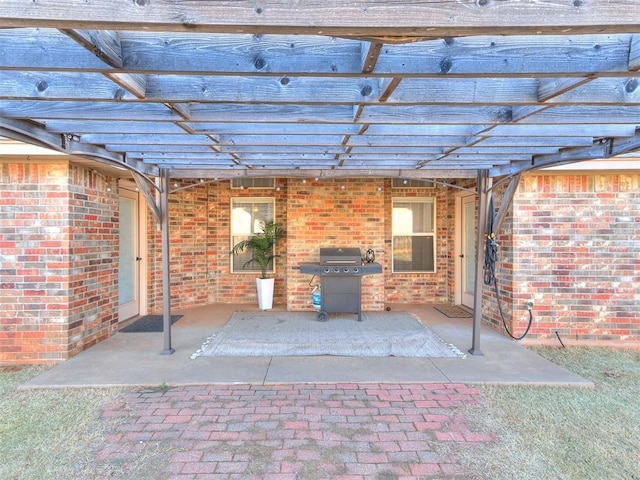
x,y
340,271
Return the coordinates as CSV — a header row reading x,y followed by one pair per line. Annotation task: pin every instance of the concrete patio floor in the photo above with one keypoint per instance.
x,y
133,359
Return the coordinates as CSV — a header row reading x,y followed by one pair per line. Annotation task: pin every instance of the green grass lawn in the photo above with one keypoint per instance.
x,y
564,433
48,434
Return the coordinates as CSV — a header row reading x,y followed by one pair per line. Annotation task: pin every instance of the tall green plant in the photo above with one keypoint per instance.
x,y
261,246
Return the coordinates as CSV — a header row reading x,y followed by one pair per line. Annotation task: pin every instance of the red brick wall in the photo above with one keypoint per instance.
x,y
189,224
324,214
575,252
93,253
200,243
59,282
315,213
34,304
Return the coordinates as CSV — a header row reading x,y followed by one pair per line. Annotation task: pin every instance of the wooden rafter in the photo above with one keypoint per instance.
x,y
324,86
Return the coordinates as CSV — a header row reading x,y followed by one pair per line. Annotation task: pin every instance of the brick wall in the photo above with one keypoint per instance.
x,y
200,243
93,253
570,244
334,213
575,252
189,225
58,281
315,213
34,302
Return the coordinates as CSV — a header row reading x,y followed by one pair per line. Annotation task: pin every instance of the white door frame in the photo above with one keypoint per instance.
x,y
127,188
458,249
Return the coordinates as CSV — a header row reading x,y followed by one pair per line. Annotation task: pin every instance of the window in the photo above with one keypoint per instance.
x,y
413,227
247,217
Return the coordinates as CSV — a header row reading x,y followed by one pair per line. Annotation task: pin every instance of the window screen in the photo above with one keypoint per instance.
x,y
413,226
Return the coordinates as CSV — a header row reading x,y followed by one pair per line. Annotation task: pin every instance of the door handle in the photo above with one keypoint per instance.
x,y
138,259
461,255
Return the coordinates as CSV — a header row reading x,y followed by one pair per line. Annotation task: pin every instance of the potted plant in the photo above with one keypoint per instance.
x,y
261,247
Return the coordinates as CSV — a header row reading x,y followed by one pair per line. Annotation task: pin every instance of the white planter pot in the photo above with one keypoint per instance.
x,y
265,292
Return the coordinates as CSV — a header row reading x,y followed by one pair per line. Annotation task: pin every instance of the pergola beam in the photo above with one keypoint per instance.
x,y
365,18
227,174
69,144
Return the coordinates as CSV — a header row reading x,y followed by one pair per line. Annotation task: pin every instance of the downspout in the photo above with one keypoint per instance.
x,y
166,280
483,194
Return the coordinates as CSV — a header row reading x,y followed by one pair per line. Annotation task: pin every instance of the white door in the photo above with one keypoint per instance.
x,y
467,254
129,256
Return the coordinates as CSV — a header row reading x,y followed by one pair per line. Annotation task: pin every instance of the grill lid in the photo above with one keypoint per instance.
x,y
340,256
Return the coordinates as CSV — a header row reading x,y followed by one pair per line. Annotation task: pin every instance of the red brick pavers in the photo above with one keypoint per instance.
x,y
319,431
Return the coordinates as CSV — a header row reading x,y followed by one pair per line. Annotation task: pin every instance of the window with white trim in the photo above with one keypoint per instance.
x,y
247,217
414,235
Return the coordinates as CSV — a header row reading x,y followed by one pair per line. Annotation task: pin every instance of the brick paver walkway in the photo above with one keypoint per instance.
x,y
332,431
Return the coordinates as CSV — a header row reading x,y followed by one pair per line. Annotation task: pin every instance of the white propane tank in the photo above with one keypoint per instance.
x,y
316,298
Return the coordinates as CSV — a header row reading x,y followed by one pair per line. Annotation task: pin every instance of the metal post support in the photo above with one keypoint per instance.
x,y
507,198
483,195
166,280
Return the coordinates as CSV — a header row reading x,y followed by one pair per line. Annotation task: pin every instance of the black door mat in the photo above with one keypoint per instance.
x,y
454,311
148,323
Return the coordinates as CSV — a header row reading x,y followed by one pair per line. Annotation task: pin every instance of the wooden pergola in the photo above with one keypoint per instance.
x,y
435,89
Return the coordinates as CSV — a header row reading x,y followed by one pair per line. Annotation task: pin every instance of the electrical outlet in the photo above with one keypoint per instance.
x,y
529,304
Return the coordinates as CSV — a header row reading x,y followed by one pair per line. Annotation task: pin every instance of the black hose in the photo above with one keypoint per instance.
x,y
504,323
490,259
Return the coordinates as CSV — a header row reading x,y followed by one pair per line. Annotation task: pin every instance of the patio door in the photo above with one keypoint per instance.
x,y
466,250
129,259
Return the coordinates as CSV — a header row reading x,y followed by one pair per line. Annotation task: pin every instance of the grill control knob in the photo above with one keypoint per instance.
x,y
336,270
327,269
345,270
356,270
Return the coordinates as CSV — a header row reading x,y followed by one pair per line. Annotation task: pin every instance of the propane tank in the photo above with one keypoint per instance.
x,y
316,298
